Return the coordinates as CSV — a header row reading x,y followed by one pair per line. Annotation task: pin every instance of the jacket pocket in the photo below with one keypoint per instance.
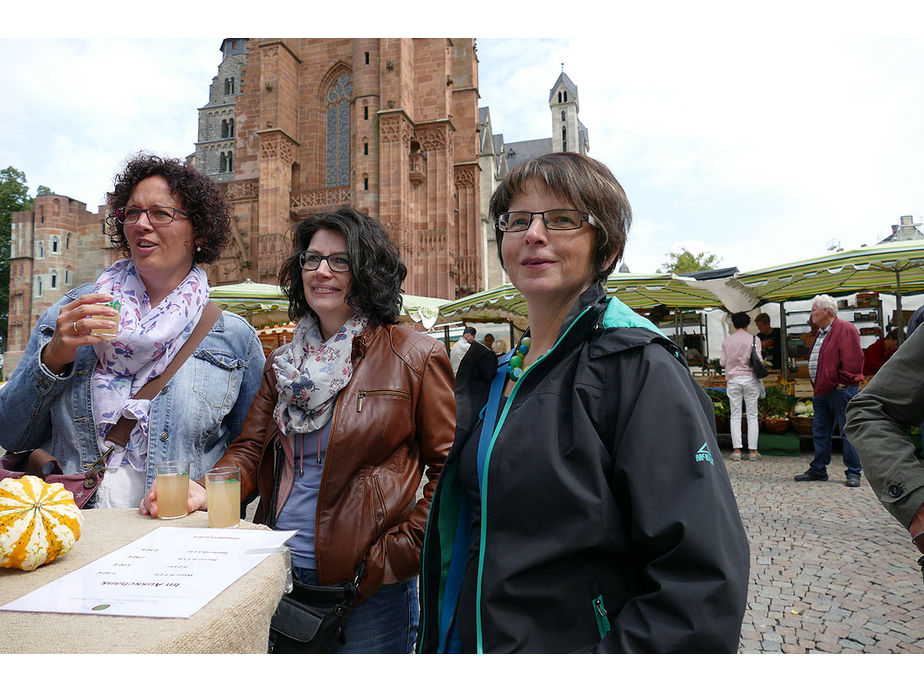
x,y
364,394
218,377
603,623
378,507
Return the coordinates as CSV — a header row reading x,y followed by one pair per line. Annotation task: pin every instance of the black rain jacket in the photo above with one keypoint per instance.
x,y
608,521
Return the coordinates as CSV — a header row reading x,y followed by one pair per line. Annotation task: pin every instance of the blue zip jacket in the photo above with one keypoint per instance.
x,y
608,521
195,416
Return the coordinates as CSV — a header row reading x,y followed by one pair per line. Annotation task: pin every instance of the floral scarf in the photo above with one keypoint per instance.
x,y
149,338
311,373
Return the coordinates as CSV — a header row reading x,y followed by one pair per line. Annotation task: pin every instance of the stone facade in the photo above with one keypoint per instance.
x,y
215,147
54,247
385,125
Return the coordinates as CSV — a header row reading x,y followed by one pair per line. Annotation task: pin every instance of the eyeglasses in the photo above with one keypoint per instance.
x,y
554,220
157,216
338,262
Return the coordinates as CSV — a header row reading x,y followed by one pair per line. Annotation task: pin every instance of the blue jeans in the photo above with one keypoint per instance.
x,y
386,623
831,409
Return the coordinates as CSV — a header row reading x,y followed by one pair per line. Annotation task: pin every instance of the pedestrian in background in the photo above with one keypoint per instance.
x,y
489,341
585,504
741,384
461,347
769,340
835,368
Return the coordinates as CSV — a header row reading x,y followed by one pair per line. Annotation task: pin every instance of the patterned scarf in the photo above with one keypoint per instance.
x,y
310,373
147,342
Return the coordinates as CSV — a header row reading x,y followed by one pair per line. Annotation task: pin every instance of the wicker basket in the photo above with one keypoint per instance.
x,y
774,425
802,424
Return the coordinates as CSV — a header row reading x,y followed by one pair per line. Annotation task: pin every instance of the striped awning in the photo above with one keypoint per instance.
x,y
637,291
893,268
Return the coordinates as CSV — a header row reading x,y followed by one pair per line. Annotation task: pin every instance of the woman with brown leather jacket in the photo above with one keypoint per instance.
x,y
349,415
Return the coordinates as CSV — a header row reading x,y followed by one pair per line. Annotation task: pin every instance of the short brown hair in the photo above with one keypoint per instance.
x,y
588,185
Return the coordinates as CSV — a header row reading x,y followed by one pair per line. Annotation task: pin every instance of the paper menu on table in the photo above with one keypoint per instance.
x,y
171,572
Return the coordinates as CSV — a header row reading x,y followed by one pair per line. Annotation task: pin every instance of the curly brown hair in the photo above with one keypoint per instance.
x,y
198,194
375,263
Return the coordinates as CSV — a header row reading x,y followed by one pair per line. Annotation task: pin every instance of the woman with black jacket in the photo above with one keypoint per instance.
x,y
584,505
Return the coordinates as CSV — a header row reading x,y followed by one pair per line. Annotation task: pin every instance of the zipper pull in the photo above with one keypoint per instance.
x,y
359,402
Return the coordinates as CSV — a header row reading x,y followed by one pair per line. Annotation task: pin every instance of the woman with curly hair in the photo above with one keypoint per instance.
x,y
73,385
349,415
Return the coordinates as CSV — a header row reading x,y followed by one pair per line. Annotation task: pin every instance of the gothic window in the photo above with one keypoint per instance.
x,y
230,161
565,98
365,113
67,277
67,242
41,250
564,139
224,128
54,279
38,286
337,158
366,148
55,245
367,57
230,127
563,115
365,182
222,163
227,86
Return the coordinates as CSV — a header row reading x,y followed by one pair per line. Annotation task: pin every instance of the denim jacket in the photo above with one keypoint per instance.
x,y
195,416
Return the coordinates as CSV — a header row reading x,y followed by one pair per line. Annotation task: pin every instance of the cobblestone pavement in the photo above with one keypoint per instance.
x,y
831,570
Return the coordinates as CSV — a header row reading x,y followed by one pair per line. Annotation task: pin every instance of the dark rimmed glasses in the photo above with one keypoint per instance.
x,y
157,216
554,220
338,262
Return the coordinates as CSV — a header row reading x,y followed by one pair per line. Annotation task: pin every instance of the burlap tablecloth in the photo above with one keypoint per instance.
x,y
236,621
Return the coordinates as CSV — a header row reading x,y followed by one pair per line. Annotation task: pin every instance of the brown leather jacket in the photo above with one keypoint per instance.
x,y
395,418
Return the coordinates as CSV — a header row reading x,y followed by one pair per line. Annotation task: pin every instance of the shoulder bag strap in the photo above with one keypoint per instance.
x,y
120,432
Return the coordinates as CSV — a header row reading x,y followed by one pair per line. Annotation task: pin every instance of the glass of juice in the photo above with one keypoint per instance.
x,y
223,487
172,485
112,331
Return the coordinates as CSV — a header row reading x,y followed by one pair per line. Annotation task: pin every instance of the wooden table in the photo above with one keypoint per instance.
x,y
236,621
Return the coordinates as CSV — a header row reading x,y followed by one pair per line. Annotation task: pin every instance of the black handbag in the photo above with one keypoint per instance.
x,y
311,618
760,370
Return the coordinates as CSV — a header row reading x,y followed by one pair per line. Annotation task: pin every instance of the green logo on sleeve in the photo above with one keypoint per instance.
x,y
703,455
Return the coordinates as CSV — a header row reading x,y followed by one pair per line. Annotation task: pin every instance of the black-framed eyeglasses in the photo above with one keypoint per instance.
x,y
338,262
157,216
554,220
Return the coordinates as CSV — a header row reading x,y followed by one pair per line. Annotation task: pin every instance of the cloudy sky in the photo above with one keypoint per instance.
x,y
759,138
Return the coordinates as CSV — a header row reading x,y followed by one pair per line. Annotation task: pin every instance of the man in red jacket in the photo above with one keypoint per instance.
x,y
835,367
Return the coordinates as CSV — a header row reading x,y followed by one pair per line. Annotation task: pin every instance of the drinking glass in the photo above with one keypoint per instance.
x,y
223,488
172,489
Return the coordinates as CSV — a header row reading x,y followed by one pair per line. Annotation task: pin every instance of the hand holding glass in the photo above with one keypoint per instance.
x,y
172,486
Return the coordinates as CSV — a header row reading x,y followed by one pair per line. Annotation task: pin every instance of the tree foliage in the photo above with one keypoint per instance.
x,y
685,262
14,197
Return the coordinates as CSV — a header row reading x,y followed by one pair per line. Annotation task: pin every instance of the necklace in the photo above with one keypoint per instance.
x,y
515,366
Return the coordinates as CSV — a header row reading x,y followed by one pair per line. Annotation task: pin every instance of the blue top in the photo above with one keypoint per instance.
x,y
301,506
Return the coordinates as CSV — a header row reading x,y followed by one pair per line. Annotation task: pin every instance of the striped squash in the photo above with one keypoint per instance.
x,y
38,522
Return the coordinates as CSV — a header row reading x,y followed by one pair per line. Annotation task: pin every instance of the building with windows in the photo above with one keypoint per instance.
x,y
388,126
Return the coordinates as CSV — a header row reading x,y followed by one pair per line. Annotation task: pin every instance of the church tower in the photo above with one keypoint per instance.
x,y
568,133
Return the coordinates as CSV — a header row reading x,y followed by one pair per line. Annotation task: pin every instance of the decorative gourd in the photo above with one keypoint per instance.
x,y
38,522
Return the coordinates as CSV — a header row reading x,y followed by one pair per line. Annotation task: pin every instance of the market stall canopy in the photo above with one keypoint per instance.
x,y
894,268
265,304
638,291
